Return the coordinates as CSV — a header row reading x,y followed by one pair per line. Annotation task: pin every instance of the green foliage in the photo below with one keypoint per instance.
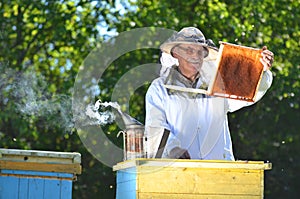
x,y
46,41
42,46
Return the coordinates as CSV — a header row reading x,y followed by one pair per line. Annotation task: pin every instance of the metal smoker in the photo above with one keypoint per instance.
x,y
133,137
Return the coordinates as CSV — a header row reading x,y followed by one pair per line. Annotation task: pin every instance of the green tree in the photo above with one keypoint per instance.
x,y
42,46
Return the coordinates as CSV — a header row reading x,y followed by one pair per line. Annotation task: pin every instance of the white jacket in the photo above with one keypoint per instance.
x,y
197,123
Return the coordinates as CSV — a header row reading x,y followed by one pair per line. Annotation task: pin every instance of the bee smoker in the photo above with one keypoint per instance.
x,y
133,137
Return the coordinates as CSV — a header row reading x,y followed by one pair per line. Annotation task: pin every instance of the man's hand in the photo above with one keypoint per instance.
x,y
267,58
179,153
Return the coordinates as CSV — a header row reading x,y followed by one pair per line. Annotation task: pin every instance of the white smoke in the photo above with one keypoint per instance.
x,y
31,98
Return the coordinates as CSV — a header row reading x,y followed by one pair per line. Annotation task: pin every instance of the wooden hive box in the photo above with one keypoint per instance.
x,y
190,179
36,174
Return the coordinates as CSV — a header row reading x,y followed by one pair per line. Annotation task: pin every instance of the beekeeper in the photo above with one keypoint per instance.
x,y
197,123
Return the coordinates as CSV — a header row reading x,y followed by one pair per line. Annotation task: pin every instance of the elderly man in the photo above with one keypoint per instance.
x,y
197,123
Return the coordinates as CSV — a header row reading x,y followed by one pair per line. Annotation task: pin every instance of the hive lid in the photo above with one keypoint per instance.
x,y
39,156
34,160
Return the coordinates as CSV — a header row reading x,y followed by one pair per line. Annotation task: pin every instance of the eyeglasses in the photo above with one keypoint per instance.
x,y
191,51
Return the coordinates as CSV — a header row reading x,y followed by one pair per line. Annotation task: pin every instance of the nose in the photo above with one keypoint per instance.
x,y
196,55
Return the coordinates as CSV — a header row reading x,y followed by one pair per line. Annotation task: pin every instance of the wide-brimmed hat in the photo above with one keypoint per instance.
x,y
190,35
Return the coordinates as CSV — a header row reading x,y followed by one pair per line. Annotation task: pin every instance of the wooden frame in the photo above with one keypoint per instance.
x,y
239,72
237,76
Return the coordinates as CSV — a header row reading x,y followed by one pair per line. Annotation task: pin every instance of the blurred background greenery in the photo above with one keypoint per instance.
x,y
43,43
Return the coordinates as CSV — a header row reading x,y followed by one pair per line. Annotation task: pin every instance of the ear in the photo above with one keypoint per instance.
x,y
174,54
205,51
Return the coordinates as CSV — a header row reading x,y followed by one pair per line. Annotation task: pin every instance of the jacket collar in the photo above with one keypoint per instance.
x,y
176,78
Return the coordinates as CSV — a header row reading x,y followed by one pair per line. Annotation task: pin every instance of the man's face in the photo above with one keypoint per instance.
x,y
190,58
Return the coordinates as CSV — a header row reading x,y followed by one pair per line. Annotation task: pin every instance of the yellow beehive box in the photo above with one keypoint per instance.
x,y
190,179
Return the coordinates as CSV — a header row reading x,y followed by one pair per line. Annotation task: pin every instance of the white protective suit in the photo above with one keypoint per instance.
x,y
197,123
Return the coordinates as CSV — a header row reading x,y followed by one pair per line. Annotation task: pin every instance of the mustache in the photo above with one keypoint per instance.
x,y
194,61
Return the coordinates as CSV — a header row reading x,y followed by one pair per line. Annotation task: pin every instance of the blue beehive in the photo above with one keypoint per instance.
x,y
35,174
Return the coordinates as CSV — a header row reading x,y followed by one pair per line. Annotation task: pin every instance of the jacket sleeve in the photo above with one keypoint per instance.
x,y
265,84
156,121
